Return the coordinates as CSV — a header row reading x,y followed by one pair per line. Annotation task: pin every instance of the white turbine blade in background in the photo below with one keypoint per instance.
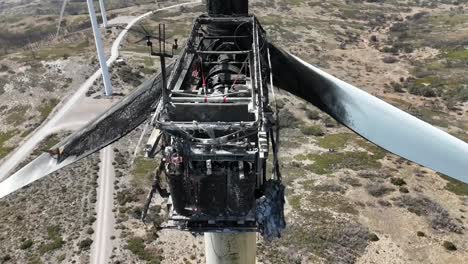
x,y
102,7
62,11
100,49
372,118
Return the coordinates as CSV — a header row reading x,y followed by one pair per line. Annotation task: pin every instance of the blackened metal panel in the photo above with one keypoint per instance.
x,y
241,192
212,194
178,193
211,113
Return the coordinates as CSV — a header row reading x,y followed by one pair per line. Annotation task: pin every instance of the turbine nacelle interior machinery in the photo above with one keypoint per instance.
x,y
214,128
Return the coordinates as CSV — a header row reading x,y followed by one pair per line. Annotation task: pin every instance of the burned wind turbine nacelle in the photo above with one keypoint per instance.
x,y
215,129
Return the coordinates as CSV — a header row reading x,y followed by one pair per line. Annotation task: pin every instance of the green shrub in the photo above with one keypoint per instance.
x,y
85,244
335,141
26,244
312,114
6,258
425,91
378,190
55,240
330,162
330,122
455,186
287,119
314,130
449,246
397,181
137,246
404,190
373,237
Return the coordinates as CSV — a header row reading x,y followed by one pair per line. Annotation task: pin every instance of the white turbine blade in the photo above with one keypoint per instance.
x,y
102,7
372,118
37,169
62,11
107,128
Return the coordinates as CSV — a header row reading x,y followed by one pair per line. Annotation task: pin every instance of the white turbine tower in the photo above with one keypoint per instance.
x,y
97,39
100,47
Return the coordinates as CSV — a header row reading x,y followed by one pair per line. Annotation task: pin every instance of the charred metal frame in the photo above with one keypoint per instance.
x,y
213,130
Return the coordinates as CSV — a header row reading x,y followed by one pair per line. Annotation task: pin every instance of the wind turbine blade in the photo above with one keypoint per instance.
x,y
62,11
112,125
33,171
372,118
115,123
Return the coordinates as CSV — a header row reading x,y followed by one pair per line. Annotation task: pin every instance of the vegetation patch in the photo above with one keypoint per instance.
x,y
312,114
455,186
85,244
46,108
62,51
373,237
295,201
449,246
458,54
330,162
17,115
287,119
137,246
4,137
335,141
26,244
351,181
143,169
438,216
125,196
314,130
397,181
55,240
320,233
332,201
378,190
292,170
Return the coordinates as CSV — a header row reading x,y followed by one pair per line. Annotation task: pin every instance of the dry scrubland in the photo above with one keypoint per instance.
x,y
348,201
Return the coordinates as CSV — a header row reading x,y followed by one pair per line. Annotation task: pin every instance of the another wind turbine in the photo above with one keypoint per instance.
x,y
103,13
97,39
100,46
62,11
